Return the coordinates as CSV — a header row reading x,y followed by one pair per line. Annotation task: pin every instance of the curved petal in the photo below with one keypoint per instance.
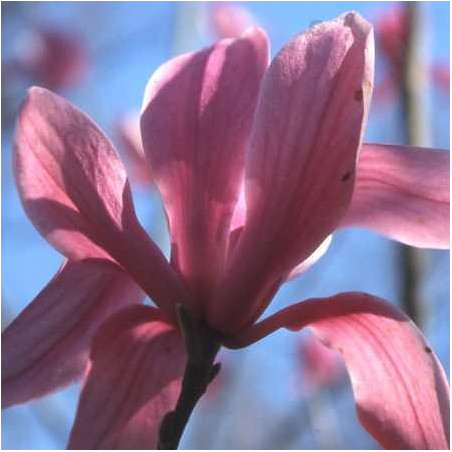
x,y
46,347
400,389
300,169
74,189
137,362
195,123
403,192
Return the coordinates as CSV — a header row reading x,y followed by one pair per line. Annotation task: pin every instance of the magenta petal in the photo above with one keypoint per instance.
x,y
400,389
75,190
46,347
73,186
300,169
137,361
196,119
404,193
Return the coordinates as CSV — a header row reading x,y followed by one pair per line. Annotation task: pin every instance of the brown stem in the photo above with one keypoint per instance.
x,y
413,85
200,370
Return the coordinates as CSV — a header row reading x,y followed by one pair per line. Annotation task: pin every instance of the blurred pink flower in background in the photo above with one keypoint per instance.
x,y
392,28
320,366
230,19
212,122
51,57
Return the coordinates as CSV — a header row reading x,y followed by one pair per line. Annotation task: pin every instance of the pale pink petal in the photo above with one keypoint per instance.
x,y
46,347
404,193
137,361
301,165
196,119
312,259
229,20
400,389
75,190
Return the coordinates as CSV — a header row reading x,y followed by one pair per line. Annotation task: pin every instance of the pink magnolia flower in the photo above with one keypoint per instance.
x,y
212,121
52,57
392,31
229,19
320,366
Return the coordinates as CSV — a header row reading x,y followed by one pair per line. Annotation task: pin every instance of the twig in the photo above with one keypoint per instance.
x,y
202,348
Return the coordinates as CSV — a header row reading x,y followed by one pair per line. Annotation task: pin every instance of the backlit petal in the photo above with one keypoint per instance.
x,y
401,391
74,189
137,361
195,124
404,193
46,347
300,169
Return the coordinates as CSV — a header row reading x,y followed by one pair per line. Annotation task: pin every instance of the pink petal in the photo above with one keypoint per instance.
x,y
404,193
400,389
196,119
46,347
300,168
137,361
74,188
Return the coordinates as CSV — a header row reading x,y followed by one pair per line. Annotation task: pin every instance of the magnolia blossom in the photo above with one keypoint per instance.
x,y
320,366
392,30
229,19
213,121
52,57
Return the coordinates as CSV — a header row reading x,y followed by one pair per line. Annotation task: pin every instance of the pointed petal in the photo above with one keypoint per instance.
x,y
403,193
196,119
46,347
137,361
300,169
400,389
74,189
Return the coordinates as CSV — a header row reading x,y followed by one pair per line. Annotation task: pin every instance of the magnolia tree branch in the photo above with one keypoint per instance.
x,y
413,89
200,370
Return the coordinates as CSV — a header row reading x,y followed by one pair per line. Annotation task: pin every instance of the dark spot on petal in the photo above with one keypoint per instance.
x,y
359,95
428,349
346,176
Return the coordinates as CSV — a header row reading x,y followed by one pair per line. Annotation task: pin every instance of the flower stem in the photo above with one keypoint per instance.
x,y
200,370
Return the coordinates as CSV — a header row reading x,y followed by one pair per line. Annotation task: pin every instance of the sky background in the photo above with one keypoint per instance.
x,y
262,400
